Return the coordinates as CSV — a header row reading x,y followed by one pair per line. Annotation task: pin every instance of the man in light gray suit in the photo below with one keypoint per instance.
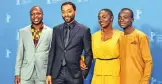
x,y
33,48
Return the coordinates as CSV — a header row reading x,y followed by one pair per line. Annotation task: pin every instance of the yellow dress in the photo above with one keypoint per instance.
x,y
106,71
136,60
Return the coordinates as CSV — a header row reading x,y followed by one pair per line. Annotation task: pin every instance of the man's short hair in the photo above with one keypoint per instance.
x,y
132,14
69,3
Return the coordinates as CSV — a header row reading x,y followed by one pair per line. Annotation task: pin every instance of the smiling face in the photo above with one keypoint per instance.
x,y
36,15
68,13
125,19
104,18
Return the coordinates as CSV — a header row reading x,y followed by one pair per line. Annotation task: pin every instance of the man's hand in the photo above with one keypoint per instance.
x,y
17,79
48,80
82,65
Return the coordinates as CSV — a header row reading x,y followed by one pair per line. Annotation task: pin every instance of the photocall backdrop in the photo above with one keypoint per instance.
x,y
14,14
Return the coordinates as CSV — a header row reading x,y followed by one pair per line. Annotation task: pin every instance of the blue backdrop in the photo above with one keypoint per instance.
x,y
14,14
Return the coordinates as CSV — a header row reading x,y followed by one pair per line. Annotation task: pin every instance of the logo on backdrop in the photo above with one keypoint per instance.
x,y
138,13
19,2
159,40
17,36
8,52
152,36
82,0
56,1
8,17
154,81
48,1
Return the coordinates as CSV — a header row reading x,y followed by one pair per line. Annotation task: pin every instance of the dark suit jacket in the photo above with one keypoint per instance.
x,y
80,39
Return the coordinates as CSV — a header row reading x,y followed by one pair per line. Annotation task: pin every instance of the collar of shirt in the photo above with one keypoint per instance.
x,y
72,25
40,29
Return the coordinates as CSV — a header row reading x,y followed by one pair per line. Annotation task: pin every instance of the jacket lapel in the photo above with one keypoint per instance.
x,y
30,35
41,36
62,35
73,33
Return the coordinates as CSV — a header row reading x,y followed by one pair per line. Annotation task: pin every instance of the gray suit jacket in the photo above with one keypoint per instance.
x,y
29,56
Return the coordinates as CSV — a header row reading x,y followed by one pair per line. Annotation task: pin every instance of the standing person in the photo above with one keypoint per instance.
x,y
68,42
136,60
106,50
33,48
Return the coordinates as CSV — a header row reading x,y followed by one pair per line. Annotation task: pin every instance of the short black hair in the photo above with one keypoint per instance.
x,y
107,10
132,14
35,7
69,3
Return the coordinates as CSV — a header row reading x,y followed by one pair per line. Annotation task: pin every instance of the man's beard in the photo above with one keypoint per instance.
x,y
71,19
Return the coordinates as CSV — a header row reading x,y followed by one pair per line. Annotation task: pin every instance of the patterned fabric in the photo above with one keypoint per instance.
x,y
36,33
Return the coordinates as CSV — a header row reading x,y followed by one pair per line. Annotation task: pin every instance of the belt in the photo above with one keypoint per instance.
x,y
107,59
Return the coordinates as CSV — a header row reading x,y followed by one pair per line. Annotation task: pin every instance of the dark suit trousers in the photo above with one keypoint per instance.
x,y
65,77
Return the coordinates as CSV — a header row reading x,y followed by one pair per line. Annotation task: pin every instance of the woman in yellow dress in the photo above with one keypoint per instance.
x,y
105,50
